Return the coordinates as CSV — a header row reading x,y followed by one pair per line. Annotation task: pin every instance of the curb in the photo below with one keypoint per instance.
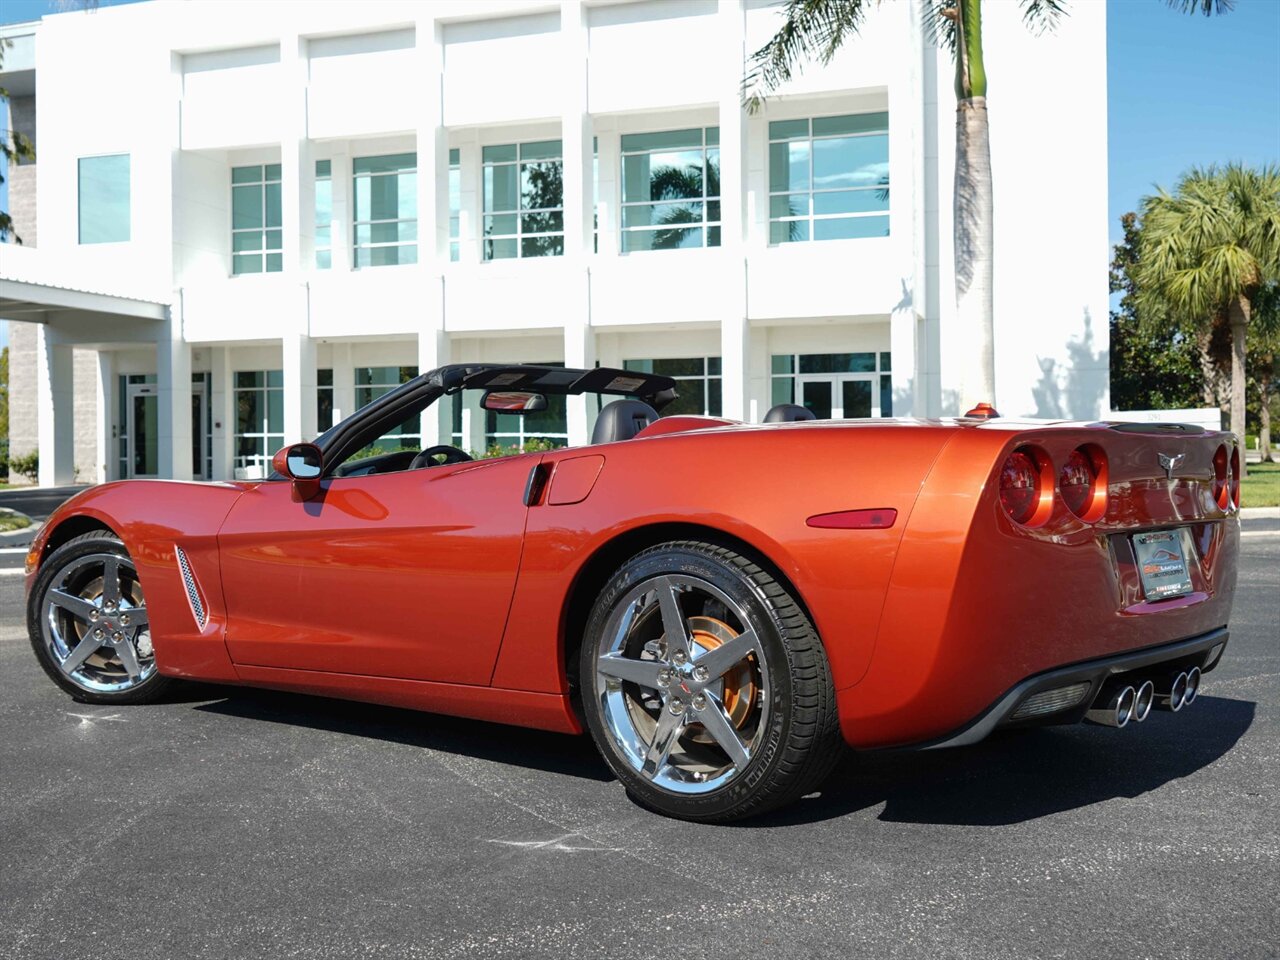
x,y
1260,513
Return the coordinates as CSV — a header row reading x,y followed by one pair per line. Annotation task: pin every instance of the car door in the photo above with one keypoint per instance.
x,y
405,574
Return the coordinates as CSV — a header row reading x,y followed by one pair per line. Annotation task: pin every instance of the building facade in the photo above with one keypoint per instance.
x,y
246,227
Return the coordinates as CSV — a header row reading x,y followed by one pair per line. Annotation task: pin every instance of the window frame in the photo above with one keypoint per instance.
x,y
520,212
810,218
264,253
272,381
707,225
881,376
324,251
704,380
356,246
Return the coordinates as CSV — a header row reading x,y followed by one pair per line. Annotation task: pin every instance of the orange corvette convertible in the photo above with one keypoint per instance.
x,y
722,606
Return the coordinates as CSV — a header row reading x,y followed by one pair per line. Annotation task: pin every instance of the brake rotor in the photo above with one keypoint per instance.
x,y
737,688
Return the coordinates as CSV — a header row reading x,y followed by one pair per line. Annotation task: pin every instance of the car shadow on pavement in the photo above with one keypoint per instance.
x,y
518,746
1023,775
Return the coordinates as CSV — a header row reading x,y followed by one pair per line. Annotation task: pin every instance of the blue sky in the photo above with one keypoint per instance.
x,y
1183,90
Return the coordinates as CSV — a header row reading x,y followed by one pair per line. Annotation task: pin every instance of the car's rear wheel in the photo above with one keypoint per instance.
x,y
87,619
705,686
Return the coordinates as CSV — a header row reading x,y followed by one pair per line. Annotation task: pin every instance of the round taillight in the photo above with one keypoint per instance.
x,y
1235,476
1220,493
1020,486
1082,481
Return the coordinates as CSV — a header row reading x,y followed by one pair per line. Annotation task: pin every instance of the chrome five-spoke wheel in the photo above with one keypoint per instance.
x,y
89,624
705,686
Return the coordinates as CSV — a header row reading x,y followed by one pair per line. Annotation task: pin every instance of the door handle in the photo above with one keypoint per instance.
x,y
536,483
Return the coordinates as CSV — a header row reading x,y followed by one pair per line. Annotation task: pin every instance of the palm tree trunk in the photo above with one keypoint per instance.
x,y
1264,409
973,211
1238,314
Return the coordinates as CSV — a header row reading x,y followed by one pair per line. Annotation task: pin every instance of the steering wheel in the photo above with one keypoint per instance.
x,y
425,458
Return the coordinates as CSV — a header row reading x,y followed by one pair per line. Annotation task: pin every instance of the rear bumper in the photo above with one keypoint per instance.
x,y
1204,651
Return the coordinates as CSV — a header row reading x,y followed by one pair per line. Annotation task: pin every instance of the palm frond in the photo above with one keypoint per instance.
x,y
1042,15
1207,7
812,29
939,23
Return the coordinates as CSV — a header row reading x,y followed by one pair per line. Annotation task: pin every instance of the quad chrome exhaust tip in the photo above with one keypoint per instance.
x,y
1115,706
1193,687
1173,692
1143,700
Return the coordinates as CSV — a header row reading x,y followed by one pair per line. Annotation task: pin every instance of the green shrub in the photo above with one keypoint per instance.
x,y
28,465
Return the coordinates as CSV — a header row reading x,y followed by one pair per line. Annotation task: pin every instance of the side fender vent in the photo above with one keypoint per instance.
x,y
193,593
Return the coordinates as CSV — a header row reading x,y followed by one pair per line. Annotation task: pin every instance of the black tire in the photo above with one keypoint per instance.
x,y
797,739
95,543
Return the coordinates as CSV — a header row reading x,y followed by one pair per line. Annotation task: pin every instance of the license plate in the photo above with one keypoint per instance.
x,y
1161,564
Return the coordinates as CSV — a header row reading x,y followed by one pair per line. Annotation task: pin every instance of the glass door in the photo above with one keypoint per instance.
x,y
835,396
143,410
198,437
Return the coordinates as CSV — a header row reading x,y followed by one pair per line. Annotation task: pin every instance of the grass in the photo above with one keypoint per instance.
x,y
1261,486
13,520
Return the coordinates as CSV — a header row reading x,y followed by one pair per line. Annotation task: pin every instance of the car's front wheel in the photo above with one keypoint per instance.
x,y
705,686
88,623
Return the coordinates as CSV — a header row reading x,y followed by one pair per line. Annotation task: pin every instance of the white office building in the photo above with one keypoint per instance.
x,y
244,221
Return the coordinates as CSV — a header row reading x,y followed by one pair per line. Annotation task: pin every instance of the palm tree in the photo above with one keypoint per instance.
x,y
1209,249
818,28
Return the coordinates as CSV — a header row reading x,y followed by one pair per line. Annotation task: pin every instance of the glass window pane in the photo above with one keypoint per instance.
x,y
499,249
273,204
851,162
275,378
713,236
661,214
886,360
246,379
641,366
324,168
104,199
501,191
541,186
274,240
635,178
788,231
246,207
246,263
686,367
542,222
675,176
657,141
854,123
275,262
853,228
713,366
782,363
387,164
246,240
502,224
713,136
324,201
856,398
816,395
886,396
272,171
852,201
789,166
548,246
246,174
275,410
663,239
783,391
789,205
541,150
500,154
787,129
454,155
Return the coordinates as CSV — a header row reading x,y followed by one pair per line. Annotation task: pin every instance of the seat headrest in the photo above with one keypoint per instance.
x,y
788,413
622,420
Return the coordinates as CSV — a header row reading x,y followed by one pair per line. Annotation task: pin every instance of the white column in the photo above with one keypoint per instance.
x,y
299,352
173,386
102,389
432,144
609,155
222,400
344,382
735,329
433,351
55,409
579,203
343,207
297,164
470,212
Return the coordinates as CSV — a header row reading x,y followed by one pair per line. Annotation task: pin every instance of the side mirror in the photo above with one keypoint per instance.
x,y
513,401
302,463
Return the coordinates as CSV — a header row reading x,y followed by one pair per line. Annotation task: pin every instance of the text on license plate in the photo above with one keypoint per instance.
x,y
1162,564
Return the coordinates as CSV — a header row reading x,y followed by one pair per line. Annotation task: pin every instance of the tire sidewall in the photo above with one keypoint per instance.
x,y
689,561
81,546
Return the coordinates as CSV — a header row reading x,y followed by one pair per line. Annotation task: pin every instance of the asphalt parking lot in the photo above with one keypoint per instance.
x,y
249,824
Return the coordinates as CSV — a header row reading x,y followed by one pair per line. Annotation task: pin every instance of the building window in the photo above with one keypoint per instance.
x,y
506,433
835,385
829,178
386,210
259,396
324,399
324,214
372,383
523,200
256,237
104,199
671,189
455,204
697,382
